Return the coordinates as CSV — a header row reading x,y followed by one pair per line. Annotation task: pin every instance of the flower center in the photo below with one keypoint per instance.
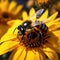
x,y
34,38
5,16
32,35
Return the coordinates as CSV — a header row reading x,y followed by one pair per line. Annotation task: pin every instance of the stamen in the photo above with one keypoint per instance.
x,y
32,35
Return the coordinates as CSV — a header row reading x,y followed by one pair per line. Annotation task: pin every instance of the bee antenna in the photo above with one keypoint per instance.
x,y
15,29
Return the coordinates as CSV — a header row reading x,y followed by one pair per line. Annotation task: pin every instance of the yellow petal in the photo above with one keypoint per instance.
x,y
8,46
10,33
51,19
16,24
52,55
31,15
44,16
32,11
49,24
24,15
18,9
11,22
37,56
18,53
30,55
12,6
23,55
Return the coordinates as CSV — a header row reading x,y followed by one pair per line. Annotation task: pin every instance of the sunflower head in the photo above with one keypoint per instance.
x,y
5,17
32,36
33,42
9,10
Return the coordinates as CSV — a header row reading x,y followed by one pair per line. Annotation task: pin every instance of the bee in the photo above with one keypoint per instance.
x,y
34,30
28,23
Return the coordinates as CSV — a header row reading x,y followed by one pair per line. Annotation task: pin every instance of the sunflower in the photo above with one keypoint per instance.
x,y
36,47
8,12
56,7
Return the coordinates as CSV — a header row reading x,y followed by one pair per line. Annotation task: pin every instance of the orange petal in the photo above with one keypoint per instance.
x,y
4,5
56,33
3,29
54,37
54,40
52,55
12,6
54,47
55,25
41,54
17,9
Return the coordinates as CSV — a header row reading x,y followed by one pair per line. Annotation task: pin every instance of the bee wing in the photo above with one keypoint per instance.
x,y
37,14
46,20
37,22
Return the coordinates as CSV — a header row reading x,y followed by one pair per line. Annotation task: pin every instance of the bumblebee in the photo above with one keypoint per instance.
x,y
32,33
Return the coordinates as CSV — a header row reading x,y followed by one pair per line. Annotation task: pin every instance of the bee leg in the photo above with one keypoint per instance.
x,y
40,37
44,27
18,34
